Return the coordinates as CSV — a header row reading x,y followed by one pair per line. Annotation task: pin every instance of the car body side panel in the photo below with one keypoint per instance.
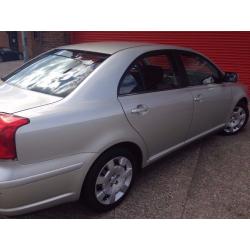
x,y
239,91
213,108
60,130
167,121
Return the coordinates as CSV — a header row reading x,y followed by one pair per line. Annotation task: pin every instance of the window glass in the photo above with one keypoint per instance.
x,y
150,73
158,73
56,73
199,71
132,81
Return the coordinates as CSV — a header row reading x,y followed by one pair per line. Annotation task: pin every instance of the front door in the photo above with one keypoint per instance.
x,y
211,97
155,105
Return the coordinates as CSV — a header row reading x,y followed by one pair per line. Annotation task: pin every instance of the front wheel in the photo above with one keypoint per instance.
x,y
109,179
238,119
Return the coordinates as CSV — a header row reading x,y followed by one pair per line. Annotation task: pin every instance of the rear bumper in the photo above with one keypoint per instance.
x,y
26,188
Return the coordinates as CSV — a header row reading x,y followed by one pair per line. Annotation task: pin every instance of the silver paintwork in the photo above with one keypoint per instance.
x,y
65,136
14,98
113,180
105,47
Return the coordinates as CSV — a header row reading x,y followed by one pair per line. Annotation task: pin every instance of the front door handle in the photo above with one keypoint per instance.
x,y
140,109
198,98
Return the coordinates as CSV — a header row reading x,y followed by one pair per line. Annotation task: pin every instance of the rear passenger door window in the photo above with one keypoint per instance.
x,y
158,73
148,74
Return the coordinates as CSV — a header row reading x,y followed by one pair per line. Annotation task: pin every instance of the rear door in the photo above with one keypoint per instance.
x,y
211,97
155,103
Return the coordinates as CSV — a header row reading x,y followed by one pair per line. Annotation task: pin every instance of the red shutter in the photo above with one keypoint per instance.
x,y
230,50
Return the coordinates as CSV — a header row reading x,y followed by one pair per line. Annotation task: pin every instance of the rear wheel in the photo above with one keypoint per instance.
x,y
1,59
109,179
238,119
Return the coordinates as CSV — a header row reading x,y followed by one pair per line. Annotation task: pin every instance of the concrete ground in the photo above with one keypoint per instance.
x,y
7,67
207,179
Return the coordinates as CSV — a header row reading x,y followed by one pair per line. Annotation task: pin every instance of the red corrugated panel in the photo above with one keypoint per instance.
x,y
230,50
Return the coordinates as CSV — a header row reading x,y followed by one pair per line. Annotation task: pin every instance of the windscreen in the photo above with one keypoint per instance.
x,y
56,73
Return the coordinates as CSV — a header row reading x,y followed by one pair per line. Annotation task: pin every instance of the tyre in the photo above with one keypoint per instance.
x,y
109,179
1,59
238,119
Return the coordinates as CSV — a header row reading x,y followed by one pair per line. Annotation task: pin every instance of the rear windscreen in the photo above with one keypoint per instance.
x,y
57,72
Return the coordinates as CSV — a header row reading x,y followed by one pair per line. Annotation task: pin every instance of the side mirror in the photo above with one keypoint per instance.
x,y
230,77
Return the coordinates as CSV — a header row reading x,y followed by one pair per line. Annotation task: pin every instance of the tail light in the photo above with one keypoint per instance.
x,y
8,127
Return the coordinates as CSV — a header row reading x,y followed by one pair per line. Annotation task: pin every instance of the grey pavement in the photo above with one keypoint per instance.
x,y
7,67
206,179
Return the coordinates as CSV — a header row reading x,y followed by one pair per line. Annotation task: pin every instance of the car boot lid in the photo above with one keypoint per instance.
x,y
14,99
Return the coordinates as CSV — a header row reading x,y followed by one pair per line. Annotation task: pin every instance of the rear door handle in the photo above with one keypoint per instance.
x,y
140,109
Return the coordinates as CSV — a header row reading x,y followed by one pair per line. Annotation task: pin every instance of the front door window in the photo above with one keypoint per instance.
x,y
199,71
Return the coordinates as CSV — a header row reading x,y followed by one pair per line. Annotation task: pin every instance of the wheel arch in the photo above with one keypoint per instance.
x,y
125,144
239,94
243,100
132,146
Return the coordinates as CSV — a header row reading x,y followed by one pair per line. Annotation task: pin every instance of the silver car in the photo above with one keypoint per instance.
x,y
81,120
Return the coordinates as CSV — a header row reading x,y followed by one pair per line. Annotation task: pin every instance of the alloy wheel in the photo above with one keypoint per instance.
x,y
237,120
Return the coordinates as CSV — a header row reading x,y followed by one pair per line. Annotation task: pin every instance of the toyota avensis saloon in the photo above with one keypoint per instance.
x,y
81,120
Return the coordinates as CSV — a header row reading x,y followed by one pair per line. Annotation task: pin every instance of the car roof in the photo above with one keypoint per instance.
x,y
111,47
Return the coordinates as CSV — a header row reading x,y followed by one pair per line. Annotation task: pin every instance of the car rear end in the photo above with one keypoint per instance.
x,y
37,166
34,172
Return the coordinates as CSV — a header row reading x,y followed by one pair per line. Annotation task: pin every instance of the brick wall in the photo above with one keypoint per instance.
x,y
47,40
4,39
39,41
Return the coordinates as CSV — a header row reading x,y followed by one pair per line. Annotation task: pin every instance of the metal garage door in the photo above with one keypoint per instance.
x,y
230,50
